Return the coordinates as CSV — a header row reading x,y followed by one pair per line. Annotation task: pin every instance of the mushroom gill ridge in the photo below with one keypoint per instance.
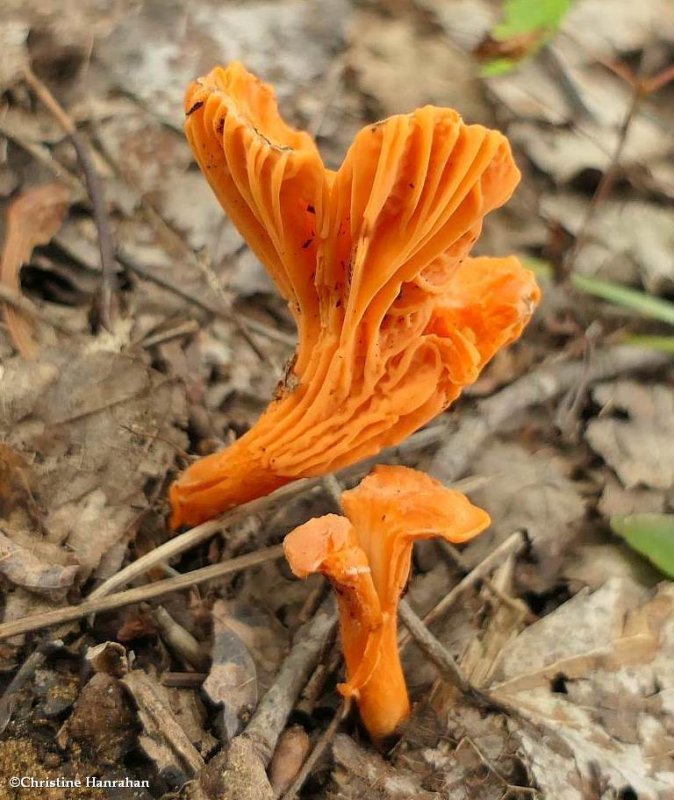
x,y
393,317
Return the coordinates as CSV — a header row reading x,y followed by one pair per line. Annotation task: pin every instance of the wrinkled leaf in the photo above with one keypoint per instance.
x,y
99,429
24,568
33,218
652,535
530,492
634,432
593,678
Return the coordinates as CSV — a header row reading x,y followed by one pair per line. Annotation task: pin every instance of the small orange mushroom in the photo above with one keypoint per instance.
x,y
367,555
393,318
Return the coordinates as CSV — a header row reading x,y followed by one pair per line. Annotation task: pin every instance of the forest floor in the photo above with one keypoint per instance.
x,y
144,333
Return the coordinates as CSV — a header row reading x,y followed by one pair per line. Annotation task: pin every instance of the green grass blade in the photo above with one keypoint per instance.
x,y
663,344
640,302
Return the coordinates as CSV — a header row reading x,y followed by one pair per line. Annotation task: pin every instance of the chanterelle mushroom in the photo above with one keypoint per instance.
x,y
393,318
367,558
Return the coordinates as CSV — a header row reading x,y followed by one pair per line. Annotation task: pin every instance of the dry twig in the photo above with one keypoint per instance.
x,y
320,747
26,671
274,709
513,545
96,192
159,721
159,280
59,615
538,387
195,536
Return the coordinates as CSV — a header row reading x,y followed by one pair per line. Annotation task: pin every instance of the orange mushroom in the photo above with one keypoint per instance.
x,y
367,555
393,318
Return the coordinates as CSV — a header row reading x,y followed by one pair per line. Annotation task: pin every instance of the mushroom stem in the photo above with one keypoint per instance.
x,y
383,701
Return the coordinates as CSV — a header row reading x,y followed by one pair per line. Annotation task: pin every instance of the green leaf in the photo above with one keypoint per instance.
x,y
526,16
644,304
651,535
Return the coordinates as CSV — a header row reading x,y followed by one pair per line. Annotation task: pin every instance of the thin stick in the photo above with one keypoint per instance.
x,y
433,648
44,157
195,536
218,290
188,328
319,748
26,671
442,658
139,594
512,602
272,713
255,325
96,192
513,544
538,387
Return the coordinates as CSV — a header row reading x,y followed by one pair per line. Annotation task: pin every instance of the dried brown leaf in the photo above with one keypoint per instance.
x,y
638,448
232,680
530,492
610,722
24,568
101,429
32,220
362,772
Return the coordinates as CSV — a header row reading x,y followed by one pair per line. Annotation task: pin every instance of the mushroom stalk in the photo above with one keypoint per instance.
x,y
394,319
367,555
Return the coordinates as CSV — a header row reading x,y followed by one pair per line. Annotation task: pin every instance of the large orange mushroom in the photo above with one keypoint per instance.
x,y
367,556
393,318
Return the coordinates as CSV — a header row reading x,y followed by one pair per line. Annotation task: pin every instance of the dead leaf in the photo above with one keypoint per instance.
x,y
100,428
292,41
32,220
13,55
639,448
383,66
530,492
23,568
629,241
593,562
594,680
361,772
617,501
240,639
17,483
546,649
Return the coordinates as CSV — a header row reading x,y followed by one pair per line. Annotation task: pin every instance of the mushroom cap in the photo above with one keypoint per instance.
x,y
394,318
394,506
